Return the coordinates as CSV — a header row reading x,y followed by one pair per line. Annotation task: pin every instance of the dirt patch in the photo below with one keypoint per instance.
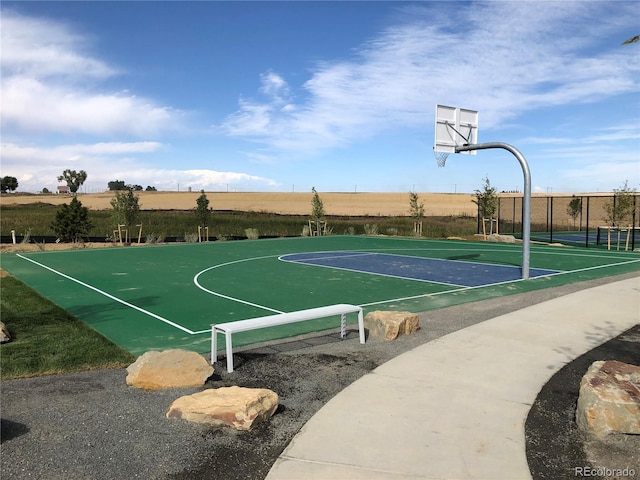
x,y
47,247
556,447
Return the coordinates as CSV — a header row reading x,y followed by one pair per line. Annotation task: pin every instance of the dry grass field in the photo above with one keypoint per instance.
x,y
354,204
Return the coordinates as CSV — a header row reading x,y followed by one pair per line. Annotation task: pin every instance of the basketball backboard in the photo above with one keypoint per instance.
x,y
455,127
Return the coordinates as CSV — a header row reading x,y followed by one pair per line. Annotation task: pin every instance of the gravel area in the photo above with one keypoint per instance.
x,y
91,425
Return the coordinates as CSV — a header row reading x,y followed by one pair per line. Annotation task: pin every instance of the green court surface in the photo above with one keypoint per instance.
x,y
167,296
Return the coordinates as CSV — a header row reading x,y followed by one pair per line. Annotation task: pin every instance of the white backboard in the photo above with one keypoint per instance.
x,y
455,127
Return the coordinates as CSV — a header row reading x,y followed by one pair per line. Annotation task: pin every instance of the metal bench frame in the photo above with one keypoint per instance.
x,y
229,328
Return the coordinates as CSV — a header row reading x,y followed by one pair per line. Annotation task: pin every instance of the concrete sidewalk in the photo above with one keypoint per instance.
x,y
455,408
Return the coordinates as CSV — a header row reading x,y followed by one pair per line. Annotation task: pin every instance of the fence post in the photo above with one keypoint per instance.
x,y
633,224
587,227
551,220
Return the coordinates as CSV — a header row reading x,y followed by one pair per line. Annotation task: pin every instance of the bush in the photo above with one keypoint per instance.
x,y
72,221
191,237
252,233
370,229
152,238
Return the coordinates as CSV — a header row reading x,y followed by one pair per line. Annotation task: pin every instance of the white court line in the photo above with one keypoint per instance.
x,y
352,255
468,262
227,297
101,292
444,292
397,277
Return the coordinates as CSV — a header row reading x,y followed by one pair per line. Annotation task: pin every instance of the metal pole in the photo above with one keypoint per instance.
x,y
526,207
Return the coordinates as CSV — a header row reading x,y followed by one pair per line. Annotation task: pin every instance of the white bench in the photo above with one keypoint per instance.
x,y
229,328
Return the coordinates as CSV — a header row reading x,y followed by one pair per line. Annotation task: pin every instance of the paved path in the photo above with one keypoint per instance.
x,y
455,407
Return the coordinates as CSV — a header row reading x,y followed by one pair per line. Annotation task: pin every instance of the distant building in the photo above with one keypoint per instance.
x,y
63,189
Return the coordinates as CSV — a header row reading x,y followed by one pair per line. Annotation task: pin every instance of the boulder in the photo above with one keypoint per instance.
x,y
236,407
4,333
389,325
495,237
168,369
609,400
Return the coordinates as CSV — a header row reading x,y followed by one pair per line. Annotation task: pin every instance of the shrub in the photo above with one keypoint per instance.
x,y
370,229
191,237
252,233
26,237
72,221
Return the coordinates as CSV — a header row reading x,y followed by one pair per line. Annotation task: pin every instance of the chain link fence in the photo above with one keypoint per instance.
x,y
579,220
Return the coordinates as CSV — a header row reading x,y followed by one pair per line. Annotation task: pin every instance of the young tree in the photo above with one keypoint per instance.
x,y
487,201
317,211
125,209
73,179
620,208
574,208
202,210
72,221
416,211
8,184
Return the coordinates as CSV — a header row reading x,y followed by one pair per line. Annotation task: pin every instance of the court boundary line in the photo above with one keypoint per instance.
x,y
375,250
597,254
356,254
369,273
228,297
413,297
112,297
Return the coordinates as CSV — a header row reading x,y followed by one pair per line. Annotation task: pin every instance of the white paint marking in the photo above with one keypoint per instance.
x,y
116,299
227,297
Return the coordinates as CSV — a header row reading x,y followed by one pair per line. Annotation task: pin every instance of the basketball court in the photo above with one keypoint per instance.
x,y
168,296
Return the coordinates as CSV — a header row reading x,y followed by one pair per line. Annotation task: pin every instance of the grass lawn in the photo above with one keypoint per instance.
x,y
48,340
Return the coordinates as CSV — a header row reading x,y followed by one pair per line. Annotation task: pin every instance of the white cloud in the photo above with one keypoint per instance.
x,y
38,167
199,179
475,57
33,105
17,153
45,86
610,175
37,47
274,86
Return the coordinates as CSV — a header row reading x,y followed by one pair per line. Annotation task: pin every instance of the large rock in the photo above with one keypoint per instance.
x,y
609,399
495,237
4,333
236,407
168,369
389,325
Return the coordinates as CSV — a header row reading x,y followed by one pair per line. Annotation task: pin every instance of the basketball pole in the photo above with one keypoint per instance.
x,y
526,201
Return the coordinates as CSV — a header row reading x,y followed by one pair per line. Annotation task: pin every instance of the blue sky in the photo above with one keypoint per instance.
x,y
283,96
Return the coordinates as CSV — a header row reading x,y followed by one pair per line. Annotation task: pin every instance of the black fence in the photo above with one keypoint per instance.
x,y
579,220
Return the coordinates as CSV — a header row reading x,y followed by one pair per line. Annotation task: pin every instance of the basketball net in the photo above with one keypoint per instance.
x,y
441,157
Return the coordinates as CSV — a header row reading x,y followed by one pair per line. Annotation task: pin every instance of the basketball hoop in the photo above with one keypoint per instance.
x,y
441,157
455,127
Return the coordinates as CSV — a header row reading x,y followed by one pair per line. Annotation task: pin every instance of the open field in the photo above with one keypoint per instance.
x,y
356,204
